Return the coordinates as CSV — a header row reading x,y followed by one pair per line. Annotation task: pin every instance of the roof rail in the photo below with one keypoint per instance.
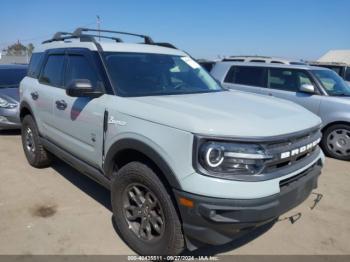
x,y
84,36
80,32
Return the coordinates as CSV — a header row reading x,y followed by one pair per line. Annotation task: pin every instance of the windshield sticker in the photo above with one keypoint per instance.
x,y
190,62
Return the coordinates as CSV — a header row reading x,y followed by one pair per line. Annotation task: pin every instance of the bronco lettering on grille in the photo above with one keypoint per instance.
x,y
300,150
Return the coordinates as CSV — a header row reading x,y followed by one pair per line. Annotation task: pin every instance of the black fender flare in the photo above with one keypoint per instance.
x,y
148,151
25,105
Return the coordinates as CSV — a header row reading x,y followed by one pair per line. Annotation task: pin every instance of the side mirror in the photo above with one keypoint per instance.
x,y
82,88
307,88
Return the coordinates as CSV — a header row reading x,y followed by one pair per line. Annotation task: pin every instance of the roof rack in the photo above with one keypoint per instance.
x,y
81,33
85,37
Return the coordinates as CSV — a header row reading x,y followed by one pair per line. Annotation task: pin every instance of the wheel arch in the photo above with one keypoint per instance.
x,y
129,149
25,110
340,122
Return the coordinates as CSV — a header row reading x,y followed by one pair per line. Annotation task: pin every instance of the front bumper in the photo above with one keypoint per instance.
x,y
215,221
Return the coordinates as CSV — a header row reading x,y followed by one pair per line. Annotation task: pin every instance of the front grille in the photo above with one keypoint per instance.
x,y
276,149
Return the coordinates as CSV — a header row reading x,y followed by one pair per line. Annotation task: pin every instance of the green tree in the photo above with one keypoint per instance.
x,y
18,49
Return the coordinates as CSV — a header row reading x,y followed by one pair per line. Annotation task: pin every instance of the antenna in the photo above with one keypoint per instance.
x,y
98,27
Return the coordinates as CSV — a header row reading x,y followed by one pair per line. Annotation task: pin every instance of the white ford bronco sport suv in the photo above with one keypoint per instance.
x,y
188,163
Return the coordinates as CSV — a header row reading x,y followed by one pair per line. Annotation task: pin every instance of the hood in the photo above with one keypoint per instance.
x,y
230,113
11,94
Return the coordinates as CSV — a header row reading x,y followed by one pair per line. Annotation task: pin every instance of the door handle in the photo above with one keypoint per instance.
x,y
34,95
61,104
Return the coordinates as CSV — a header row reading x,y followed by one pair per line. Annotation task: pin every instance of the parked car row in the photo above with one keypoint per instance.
x,y
189,161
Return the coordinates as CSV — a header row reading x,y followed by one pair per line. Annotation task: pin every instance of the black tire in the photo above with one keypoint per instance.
x,y
337,147
35,152
171,240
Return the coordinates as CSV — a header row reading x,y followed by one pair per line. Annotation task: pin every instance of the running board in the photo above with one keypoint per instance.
x,y
76,163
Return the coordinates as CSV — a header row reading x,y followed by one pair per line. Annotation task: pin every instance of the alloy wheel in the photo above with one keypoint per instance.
x,y
143,212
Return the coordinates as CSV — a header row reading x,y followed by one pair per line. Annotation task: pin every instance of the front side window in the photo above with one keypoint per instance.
x,y
141,74
287,79
53,70
247,75
10,78
79,67
332,83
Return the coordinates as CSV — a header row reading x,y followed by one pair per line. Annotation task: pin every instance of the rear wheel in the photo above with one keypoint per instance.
x,y
144,212
336,141
35,152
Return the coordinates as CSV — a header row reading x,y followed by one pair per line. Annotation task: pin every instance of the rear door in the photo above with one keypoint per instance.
x,y
286,83
44,93
79,120
247,78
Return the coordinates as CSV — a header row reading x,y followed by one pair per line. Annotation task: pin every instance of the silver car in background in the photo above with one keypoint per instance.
x,y
318,89
10,77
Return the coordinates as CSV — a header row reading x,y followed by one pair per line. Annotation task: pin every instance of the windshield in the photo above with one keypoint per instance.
x,y
332,83
10,78
141,74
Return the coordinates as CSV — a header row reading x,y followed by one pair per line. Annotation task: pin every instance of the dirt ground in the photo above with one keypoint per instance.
x,y
59,211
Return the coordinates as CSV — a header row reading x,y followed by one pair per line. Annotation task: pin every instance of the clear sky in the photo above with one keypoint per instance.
x,y
294,29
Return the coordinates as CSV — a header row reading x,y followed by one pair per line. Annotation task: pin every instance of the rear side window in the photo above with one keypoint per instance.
x,y
53,71
79,67
35,65
287,79
347,74
252,76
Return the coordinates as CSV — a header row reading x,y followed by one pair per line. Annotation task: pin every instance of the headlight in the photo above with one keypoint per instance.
x,y
5,104
230,159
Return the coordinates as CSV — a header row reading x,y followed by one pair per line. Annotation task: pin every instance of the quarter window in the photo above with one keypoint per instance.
x,y
347,74
35,65
287,79
53,70
244,75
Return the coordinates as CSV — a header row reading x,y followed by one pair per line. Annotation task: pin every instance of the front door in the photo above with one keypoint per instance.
x,y
80,119
285,83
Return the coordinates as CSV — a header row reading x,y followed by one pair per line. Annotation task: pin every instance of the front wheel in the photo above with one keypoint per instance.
x,y
144,212
336,141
